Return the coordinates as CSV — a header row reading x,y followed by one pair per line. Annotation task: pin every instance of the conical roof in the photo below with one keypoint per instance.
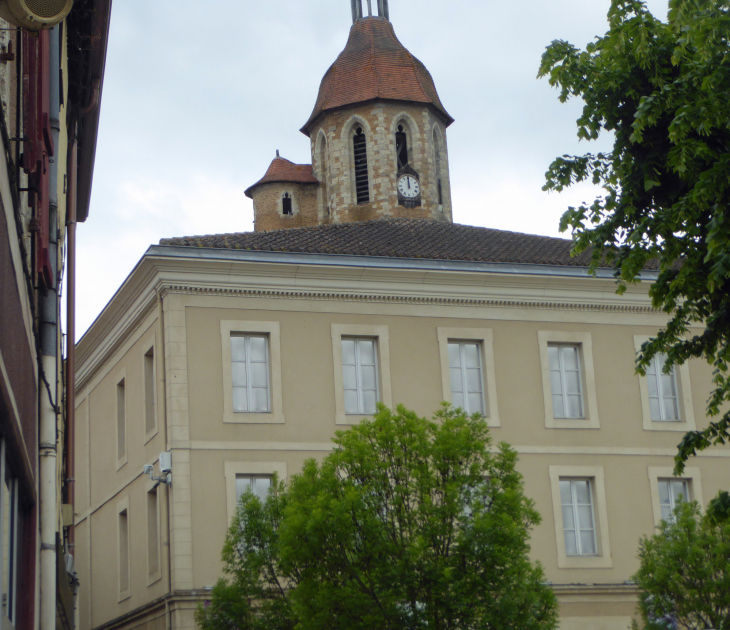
x,y
282,170
375,65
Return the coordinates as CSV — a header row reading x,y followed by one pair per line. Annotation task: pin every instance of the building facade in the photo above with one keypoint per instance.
x,y
225,359
51,73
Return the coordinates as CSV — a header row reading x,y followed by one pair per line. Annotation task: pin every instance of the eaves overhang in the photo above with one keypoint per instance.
x,y
381,262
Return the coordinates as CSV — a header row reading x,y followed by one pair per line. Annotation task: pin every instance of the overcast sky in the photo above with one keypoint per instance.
x,y
198,96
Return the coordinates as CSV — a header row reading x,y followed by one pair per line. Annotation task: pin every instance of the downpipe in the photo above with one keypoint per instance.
x,y
50,349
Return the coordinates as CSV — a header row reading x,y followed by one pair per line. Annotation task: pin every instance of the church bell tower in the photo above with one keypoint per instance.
x,y
377,134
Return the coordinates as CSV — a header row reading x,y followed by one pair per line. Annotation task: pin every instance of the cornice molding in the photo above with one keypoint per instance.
x,y
400,299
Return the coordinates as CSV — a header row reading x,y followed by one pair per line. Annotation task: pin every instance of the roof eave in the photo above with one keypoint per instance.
x,y
89,128
442,114
249,191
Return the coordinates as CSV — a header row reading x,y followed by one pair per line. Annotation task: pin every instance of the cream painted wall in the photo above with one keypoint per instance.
x,y
190,413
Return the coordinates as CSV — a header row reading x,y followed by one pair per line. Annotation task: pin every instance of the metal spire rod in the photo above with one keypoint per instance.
x,y
357,12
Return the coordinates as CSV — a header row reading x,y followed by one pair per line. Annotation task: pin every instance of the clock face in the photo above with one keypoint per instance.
x,y
409,187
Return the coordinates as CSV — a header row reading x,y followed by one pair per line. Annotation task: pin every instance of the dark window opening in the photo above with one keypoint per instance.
x,y
286,204
441,194
362,185
401,147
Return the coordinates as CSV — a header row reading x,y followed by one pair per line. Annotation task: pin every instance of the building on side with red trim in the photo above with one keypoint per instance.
x,y
51,76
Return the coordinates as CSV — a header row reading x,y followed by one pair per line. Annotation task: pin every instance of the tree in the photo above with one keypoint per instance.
x,y
684,577
256,596
408,523
663,91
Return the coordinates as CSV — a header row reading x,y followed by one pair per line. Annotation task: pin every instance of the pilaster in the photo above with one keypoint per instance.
x,y
178,436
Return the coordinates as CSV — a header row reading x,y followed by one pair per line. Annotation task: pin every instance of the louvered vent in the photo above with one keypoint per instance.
x,y
362,184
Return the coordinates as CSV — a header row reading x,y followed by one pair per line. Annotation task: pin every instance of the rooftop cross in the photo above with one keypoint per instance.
x,y
357,12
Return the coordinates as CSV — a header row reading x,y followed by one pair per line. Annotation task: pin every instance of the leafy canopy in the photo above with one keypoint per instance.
x,y
409,523
684,577
663,91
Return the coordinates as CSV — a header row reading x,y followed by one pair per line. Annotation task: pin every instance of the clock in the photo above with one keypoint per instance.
x,y
409,187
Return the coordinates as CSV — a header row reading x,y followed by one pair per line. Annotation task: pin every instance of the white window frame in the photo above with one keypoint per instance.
x,y
584,343
485,338
656,371
684,398
123,506
232,470
14,547
574,506
603,559
691,475
249,363
275,415
382,353
563,371
358,365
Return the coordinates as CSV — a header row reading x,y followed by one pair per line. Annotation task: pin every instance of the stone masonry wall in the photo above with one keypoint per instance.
x,y
379,121
268,207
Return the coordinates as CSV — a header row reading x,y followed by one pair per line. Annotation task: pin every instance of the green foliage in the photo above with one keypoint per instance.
x,y
663,91
684,578
408,524
256,595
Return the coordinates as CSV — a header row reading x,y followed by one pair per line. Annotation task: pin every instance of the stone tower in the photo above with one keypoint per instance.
x,y
378,140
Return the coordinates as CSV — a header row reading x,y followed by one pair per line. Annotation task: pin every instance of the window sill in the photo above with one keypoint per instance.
x,y
571,423
253,418
154,579
585,562
351,419
124,595
149,436
668,425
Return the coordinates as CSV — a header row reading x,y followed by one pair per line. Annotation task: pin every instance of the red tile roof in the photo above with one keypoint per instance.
x,y
401,238
375,65
282,170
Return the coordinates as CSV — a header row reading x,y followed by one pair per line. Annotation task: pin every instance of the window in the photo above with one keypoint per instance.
x,y
565,381
250,373
286,204
360,375
323,170
666,399
121,423
437,169
578,521
581,517
401,147
123,548
150,398
666,490
241,475
153,535
251,370
361,358
362,183
9,523
662,391
465,367
259,485
467,370
568,379
671,492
